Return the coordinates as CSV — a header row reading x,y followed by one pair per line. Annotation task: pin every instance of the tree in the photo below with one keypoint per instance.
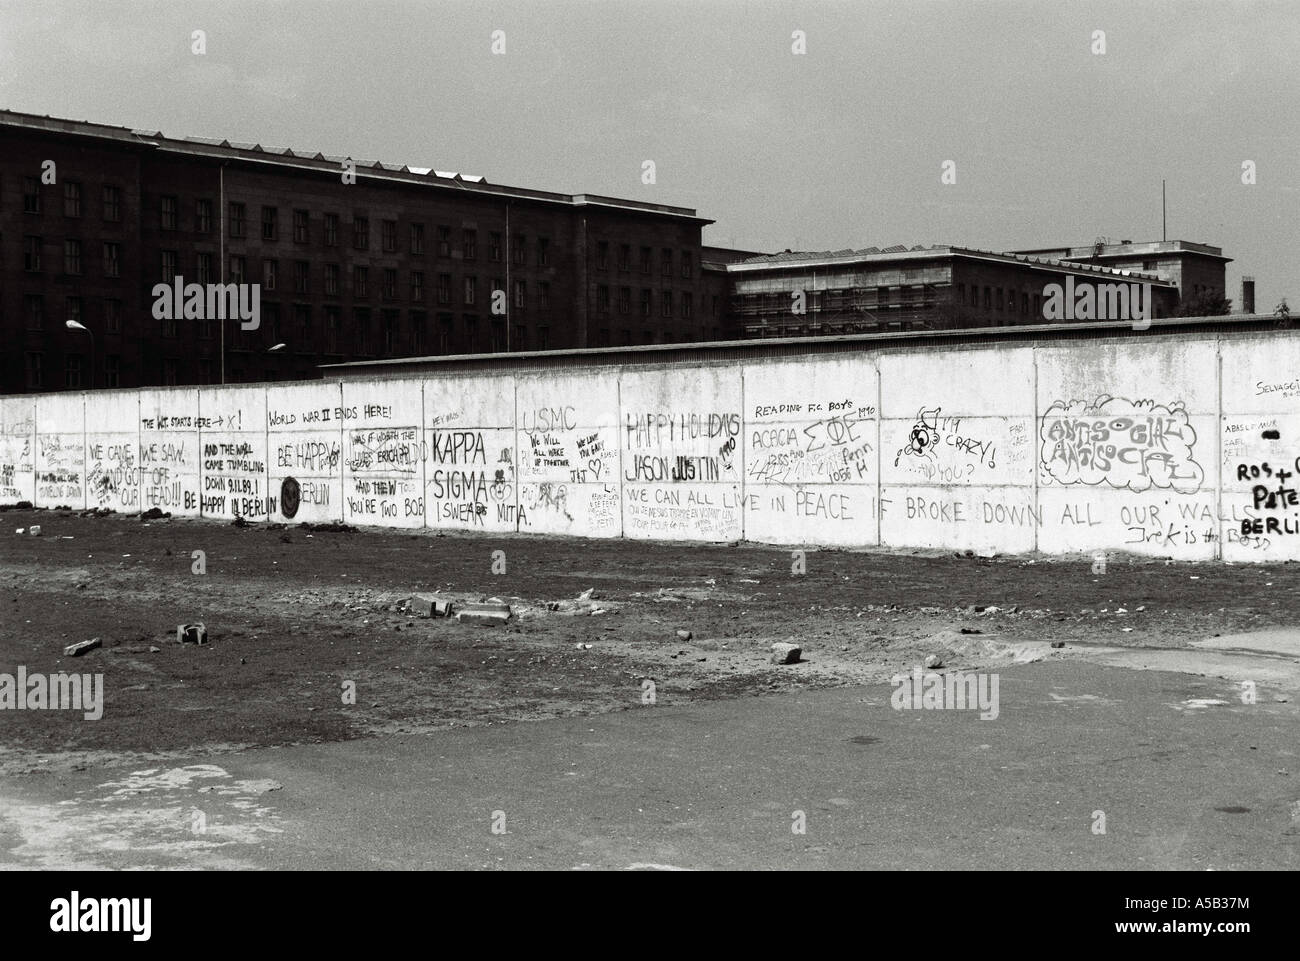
x,y
1210,304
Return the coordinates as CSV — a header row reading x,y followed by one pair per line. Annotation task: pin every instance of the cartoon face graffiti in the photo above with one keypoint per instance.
x,y
290,497
924,436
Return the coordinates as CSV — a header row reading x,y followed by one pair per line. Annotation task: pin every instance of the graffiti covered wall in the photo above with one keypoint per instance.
x,y
1184,446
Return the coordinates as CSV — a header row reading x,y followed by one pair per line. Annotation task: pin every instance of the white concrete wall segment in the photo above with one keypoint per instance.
x,y
17,449
957,452
170,454
1259,507
383,453
61,450
1183,446
232,437
469,454
1128,442
305,425
810,447
113,469
681,445
567,448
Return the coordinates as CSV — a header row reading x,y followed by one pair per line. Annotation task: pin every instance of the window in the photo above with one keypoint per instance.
x,y
302,323
494,247
331,230
301,277
998,298
521,250
72,371
666,303
470,285
498,335
112,203
171,367
687,263
361,233
271,321
543,251
470,240
168,212
33,364
72,307
960,297
112,260
390,331
113,316
624,256
988,298
602,255
602,337
32,254
332,280
360,281
113,371
520,341
645,303
666,262
543,338
388,235
238,268
521,293
544,295
34,311
625,300
444,333
688,305
203,267
270,274
300,233
417,286
602,298
205,327
332,329
444,241
390,284
444,288
32,195
238,228
1024,303
1148,265
270,223
974,296
419,321
1011,301
203,216
471,332
72,257
362,321
72,198
645,260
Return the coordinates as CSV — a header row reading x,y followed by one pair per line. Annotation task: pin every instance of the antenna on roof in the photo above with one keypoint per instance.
x,y
1164,228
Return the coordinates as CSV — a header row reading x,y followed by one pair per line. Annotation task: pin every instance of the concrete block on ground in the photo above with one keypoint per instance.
x,y
785,653
490,612
81,647
195,633
430,605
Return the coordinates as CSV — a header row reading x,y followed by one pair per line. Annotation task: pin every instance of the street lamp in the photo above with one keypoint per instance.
x,y
272,350
77,325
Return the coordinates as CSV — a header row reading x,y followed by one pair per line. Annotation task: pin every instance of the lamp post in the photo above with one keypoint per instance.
x,y
77,325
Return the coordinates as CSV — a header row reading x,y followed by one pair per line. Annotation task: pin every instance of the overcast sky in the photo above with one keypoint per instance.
x,y
840,147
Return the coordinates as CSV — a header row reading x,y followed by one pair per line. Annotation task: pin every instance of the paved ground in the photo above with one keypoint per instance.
x,y
1184,783
242,753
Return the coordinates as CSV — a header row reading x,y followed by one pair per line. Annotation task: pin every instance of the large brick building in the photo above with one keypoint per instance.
x,y
406,261
800,293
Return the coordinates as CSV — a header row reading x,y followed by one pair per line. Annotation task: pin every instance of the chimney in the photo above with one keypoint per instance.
x,y
1247,295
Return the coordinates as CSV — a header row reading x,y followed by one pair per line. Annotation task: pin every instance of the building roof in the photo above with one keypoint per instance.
x,y
872,255
1126,248
309,160
535,361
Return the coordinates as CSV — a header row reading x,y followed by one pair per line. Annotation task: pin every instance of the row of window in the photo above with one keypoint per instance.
x,y
111,197
686,300
685,259
75,371
999,298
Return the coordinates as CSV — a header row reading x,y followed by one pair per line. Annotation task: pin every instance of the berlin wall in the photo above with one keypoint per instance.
x,y
1185,446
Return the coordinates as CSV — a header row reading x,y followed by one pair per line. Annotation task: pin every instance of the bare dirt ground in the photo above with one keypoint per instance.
x,y
293,613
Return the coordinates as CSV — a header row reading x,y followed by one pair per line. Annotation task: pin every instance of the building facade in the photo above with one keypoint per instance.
x,y
404,261
794,294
